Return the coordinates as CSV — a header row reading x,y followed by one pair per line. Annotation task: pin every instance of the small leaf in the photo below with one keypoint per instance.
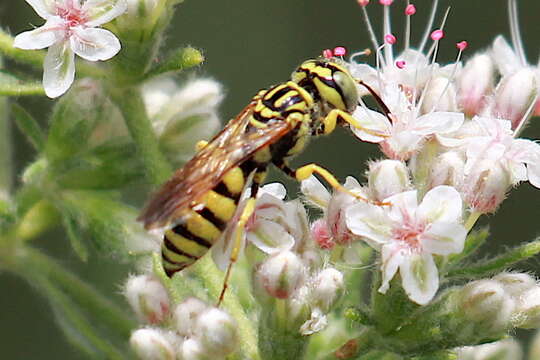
x,y
74,238
28,126
179,60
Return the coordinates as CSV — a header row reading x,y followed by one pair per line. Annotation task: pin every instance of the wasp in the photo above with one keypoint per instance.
x,y
203,199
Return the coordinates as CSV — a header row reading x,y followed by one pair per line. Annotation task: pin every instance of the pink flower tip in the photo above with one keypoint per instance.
x,y
390,39
327,53
321,234
462,45
410,10
437,35
386,2
400,64
340,51
363,2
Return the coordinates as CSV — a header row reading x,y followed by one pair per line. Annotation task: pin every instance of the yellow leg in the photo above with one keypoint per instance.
x,y
238,233
333,115
306,171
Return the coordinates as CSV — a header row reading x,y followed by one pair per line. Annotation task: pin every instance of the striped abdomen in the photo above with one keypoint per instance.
x,y
202,224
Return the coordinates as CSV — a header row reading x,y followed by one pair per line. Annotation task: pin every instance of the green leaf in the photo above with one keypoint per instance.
x,y
179,60
74,238
473,242
28,126
106,223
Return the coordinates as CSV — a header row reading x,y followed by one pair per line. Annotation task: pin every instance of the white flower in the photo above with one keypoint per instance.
x,y
71,28
408,235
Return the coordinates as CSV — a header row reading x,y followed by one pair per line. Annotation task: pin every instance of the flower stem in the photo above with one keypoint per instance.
x,y
472,219
6,166
499,263
131,105
22,89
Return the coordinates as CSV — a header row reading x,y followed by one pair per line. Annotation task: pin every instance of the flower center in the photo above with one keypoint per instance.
x,y
72,15
409,235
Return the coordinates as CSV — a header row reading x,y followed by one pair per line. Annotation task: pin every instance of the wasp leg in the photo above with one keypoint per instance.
x,y
238,234
335,115
302,173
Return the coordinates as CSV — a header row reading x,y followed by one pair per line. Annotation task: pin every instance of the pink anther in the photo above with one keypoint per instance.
x,y
462,45
363,2
386,2
327,53
400,64
390,39
340,51
437,35
410,10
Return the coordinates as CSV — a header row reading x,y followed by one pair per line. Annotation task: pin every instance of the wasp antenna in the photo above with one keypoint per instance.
x,y
380,101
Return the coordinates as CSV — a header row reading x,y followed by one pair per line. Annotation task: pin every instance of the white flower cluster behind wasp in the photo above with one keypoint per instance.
x,y
71,28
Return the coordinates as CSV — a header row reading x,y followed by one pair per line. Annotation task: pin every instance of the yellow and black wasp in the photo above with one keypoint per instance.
x,y
201,200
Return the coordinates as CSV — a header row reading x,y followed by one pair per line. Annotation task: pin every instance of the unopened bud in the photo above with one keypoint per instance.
x,y
335,214
193,350
281,274
486,188
387,178
475,83
140,8
328,286
447,170
440,95
148,298
508,349
186,313
152,344
528,309
216,331
515,284
514,96
486,302
321,234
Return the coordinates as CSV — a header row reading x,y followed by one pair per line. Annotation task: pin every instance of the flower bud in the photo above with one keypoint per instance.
x,y
485,188
475,83
387,178
514,95
447,170
152,344
193,350
486,302
148,298
515,284
321,234
281,274
186,313
328,286
216,331
335,214
528,309
140,8
440,95
508,349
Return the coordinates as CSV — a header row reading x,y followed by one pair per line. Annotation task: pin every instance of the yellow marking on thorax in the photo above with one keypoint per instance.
x,y
199,226
329,94
282,99
269,113
303,93
234,180
221,206
186,245
263,155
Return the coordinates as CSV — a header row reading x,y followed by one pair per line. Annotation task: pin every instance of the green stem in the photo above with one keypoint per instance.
x,y
131,105
6,176
22,89
499,263
36,57
206,270
103,310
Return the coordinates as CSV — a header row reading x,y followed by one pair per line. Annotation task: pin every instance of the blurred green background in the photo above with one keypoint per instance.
x,y
251,44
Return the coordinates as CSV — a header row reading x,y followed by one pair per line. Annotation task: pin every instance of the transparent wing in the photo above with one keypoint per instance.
x,y
226,150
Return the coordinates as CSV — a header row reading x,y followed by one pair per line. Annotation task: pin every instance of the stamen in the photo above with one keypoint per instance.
x,y
409,11
400,64
327,53
462,45
340,51
363,2
388,52
437,35
390,39
371,32
428,26
386,2
365,52
515,32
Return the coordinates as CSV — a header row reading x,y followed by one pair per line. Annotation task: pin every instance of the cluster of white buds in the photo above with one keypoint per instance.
x,y
292,273
508,349
191,330
507,300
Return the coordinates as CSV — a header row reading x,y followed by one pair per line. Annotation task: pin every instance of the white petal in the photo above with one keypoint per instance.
x,y
403,206
442,203
523,150
276,189
439,122
94,44
419,277
41,37
315,192
443,238
533,173
270,237
505,57
369,221
392,257
44,8
374,122
102,11
59,69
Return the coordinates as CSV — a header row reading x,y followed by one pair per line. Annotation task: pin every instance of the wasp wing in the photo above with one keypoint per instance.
x,y
226,150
